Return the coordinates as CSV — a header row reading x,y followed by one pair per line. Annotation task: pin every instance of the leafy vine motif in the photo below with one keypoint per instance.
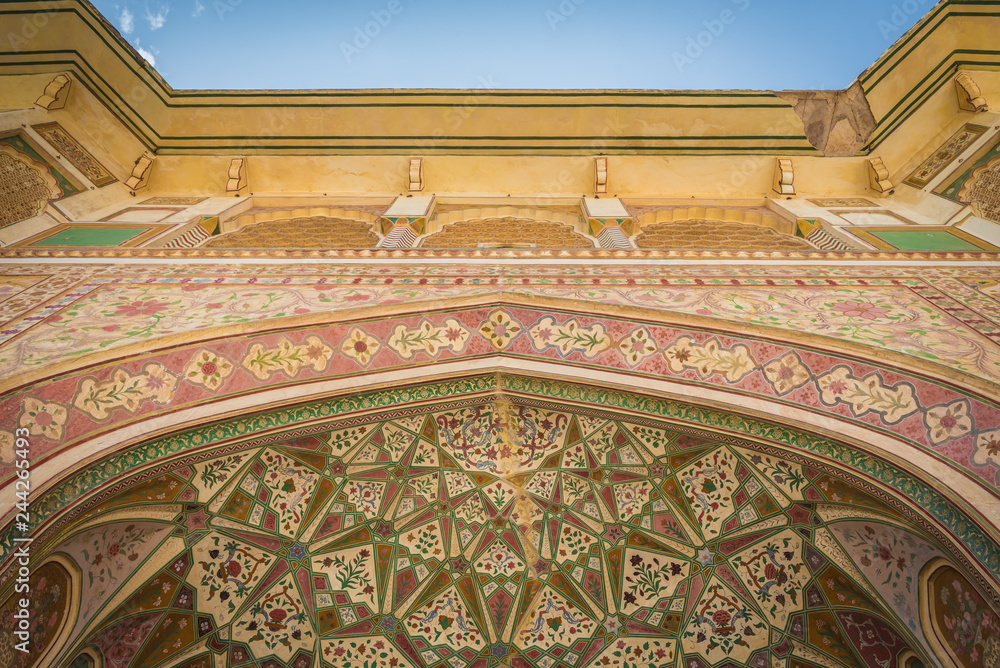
x,y
649,579
277,620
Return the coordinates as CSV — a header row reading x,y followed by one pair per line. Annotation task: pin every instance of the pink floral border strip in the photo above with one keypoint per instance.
x,y
961,430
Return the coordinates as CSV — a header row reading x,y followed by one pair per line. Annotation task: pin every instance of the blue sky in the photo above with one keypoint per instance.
x,y
652,44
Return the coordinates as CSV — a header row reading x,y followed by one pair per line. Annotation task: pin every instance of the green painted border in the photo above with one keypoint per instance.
x,y
115,466
870,80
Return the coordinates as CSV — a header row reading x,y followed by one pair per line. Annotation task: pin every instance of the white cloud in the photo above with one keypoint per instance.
x,y
198,9
147,55
158,20
126,21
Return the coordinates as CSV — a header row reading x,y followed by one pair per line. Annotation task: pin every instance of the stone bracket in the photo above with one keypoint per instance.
x,y
416,175
784,177
970,96
139,178
601,186
55,93
237,177
878,176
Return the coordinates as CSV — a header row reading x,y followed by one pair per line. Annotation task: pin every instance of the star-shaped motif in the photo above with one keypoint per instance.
x,y
798,514
337,468
541,566
706,557
196,521
459,565
499,650
656,469
613,534
611,625
383,530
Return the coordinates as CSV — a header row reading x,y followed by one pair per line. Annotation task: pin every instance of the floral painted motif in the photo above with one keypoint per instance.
x,y
291,486
787,373
500,493
445,621
110,316
99,399
638,653
709,484
50,589
350,571
42,418
962,620
709,359
554,623
775,573
429,338
865,310
225,572
637,346
869,394
914,327
987,448
276,624
649,578
631,498
500,440
363,653
572,543
891,560
873,639
724,627
120,643
209,369
212,475
366,495
498,559
570,337
500,329
287,357
945,423
7,443
788,477
425,541
109,554
360,346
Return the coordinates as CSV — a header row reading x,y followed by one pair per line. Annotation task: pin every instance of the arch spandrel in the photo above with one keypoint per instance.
x,y
736,380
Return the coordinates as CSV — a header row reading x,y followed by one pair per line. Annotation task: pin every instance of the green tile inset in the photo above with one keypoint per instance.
x,y
924,240
92,236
